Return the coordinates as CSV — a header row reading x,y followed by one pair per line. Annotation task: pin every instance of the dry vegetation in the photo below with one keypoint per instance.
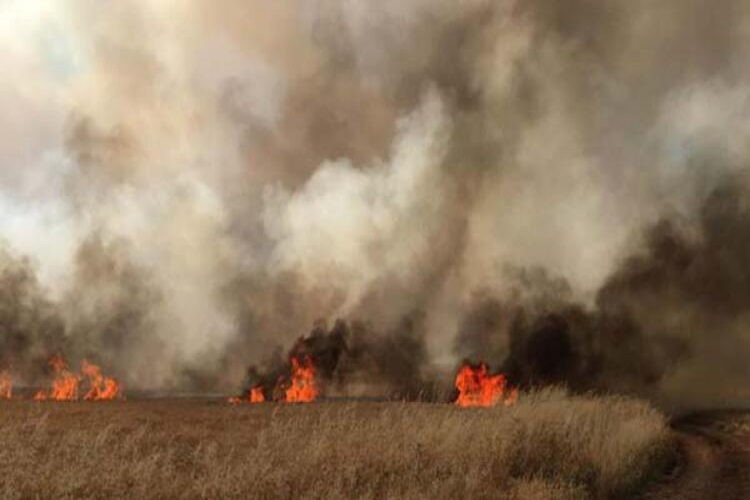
x,y
549,445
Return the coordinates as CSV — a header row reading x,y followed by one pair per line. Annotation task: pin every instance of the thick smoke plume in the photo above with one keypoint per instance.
x,y
556,187
352,360
671,318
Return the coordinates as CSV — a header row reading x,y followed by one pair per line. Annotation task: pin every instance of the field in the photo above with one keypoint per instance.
x,y
549,445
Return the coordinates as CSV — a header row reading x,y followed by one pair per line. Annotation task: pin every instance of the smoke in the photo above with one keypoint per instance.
x,y
670,322
195,186
31,326
351,359
110,311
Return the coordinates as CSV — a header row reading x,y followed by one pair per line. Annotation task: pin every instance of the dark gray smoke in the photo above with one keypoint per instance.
x,y
110,312
103,316
670,322
31,329
353,360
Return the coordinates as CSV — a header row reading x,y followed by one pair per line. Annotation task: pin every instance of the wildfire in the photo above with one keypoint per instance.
x,y
6,385
303,388
476,387
255,396
65,386
101,388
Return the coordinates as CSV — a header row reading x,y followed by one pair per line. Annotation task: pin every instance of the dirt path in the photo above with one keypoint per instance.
x,y
715,462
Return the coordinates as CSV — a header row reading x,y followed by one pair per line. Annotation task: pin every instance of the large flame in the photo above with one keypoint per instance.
x,y
101,388
6,385
65,386
476,387
303,388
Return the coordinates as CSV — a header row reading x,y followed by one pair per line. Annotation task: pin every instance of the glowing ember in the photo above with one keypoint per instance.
x,y
476,387
6,385
255,396
303,388
66,383
101,388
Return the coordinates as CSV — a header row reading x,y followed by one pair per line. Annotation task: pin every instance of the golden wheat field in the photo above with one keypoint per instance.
x,y
549,445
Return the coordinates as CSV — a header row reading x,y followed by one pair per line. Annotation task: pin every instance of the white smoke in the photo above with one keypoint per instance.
x,y
268,163
348,226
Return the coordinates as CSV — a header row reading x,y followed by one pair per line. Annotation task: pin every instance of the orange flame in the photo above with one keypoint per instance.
x,y
255,396
6,385
65,385
102,388
303,388
476,387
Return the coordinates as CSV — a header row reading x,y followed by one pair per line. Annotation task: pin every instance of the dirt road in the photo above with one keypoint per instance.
x,y
715,461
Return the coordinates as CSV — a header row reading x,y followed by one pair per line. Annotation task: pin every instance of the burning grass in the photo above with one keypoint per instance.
x,y
6,385
66,385
548,445
476,387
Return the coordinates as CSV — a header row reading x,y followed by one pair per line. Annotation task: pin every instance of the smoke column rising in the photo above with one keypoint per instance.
x,y
196,184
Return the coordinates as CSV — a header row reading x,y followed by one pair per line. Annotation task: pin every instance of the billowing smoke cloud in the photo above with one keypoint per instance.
x,y
195,186
31,326
353,360
670,322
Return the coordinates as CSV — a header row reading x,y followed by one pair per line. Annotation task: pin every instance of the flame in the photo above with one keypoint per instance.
x,y
102,388
303,388
255,396
66,383
6,385
512,397
476,387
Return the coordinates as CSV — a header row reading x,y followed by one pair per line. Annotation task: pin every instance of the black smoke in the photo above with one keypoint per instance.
x,y
350,356
677,307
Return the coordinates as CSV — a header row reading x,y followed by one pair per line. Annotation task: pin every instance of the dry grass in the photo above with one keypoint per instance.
x,y
548,446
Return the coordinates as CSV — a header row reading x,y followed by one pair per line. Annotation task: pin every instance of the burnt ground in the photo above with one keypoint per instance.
x,y
714,460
